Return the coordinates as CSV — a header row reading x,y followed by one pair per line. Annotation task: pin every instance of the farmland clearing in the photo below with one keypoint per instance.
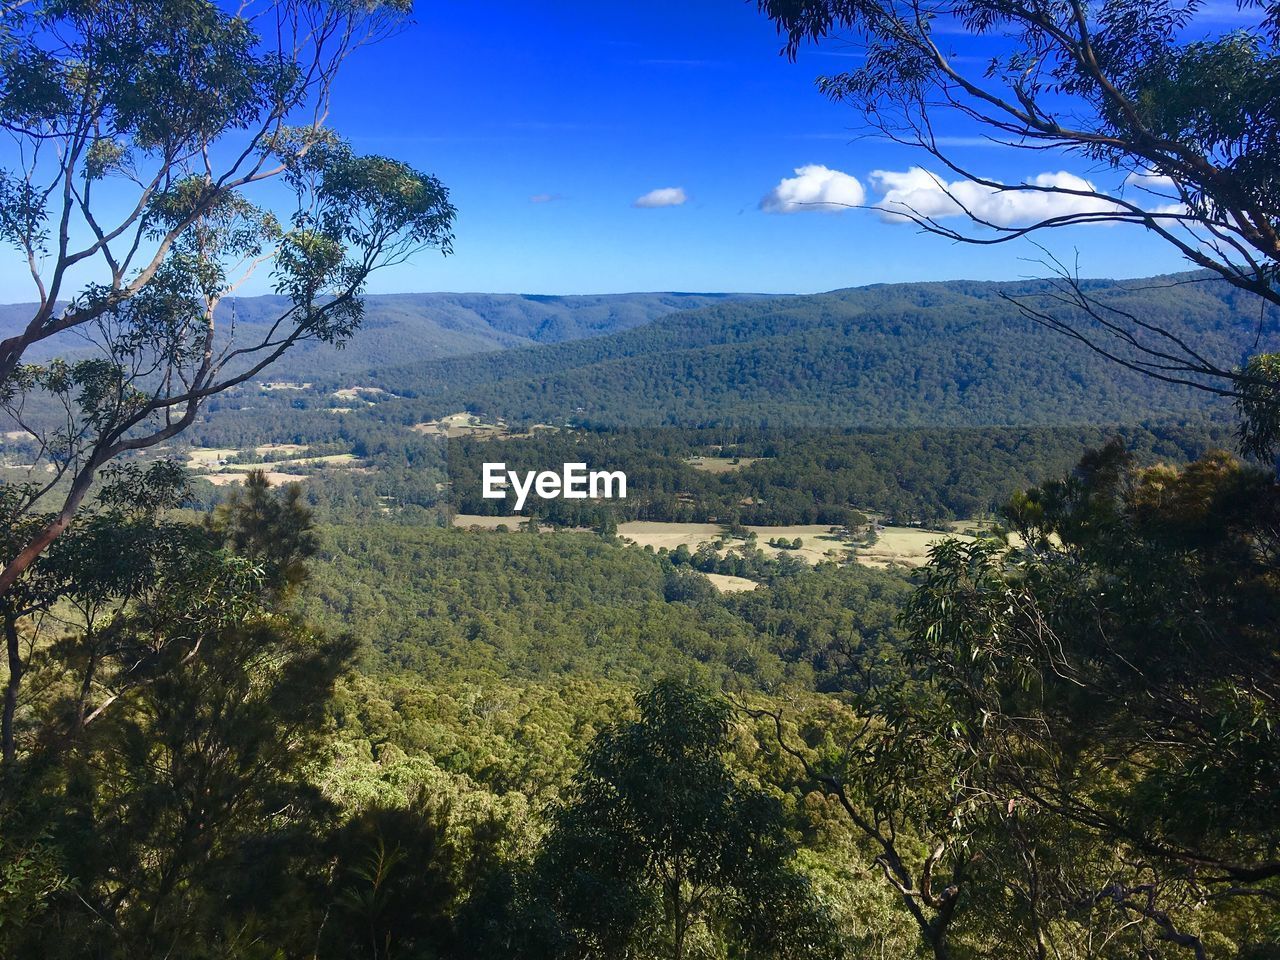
x,y
727,584
907,546
721,464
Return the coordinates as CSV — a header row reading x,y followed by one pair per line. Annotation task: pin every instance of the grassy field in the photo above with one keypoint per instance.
x,y
457,425
816,542
208,463
651,533
460,425
472,521
727,584
286,449
894,545
720,464
274,478
359,393
206,458
907,545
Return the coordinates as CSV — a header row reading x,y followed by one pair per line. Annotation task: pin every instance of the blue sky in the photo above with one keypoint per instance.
x,y
596,104
589,106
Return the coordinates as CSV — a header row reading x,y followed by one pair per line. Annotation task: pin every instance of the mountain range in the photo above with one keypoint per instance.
x,y
413,327
925,354
922,354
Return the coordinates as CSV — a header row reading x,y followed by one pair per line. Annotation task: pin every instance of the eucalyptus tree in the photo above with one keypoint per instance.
x,y
123,554
1177,108
1074,751
161,152
659,850
1123,669
185,814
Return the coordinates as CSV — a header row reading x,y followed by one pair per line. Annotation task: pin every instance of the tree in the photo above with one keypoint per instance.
x,y
184,815
658,842
1083,748
1125,669
274,528
1184,115
909,800
394,884
125,553
142,129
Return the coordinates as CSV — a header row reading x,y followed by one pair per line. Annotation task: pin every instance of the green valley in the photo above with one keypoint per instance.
x,y
877,614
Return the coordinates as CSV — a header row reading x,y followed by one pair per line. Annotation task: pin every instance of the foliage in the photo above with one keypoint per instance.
x,y
458,796
394,883
657,840
161,765
891,356
803,475
275,530
1176,107
516,605
1074,740
145,96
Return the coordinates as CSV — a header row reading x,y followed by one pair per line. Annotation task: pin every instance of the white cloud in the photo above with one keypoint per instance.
x,y
922,193
814,187
662,197
1148,180
544,198
1154,186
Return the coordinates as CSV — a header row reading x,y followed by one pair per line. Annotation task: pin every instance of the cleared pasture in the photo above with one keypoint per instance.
x,y
721,464
287,449
907,545
329,460
273,478
361,394
817,543
459,425
476,521
652,533
727,584
206,458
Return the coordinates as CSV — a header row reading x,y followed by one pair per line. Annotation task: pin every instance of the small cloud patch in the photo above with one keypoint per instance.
x,y
662,197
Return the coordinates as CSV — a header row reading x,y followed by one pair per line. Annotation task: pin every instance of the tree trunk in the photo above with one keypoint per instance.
x,y
11,688
937,931
86,686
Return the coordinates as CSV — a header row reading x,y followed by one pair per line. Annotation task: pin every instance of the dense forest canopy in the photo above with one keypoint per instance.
x,y
955,354
806,476
262,699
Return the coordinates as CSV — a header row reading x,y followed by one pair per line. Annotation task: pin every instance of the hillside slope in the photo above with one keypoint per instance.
x,y
415,327
892,355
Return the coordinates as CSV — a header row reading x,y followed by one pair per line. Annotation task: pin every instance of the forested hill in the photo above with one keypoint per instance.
x,y
412,327
907,354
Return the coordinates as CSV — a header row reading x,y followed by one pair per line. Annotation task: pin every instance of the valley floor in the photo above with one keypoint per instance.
x,y
908,546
